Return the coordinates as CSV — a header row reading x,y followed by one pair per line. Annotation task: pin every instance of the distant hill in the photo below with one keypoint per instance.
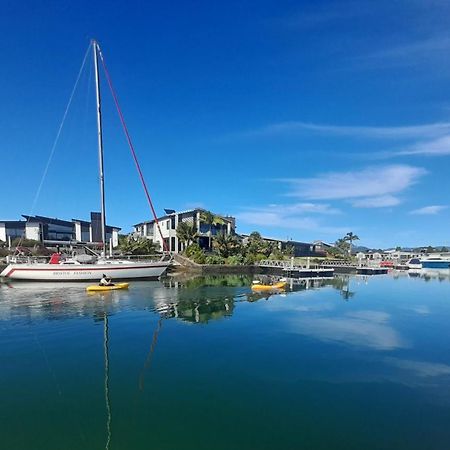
x,y
360,248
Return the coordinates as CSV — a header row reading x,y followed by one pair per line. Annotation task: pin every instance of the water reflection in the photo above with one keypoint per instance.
x,y
348,342
190,299
107,399
430,274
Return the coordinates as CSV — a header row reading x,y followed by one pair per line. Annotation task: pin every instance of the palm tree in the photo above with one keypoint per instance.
x,y
186,233
210,219
226,244
350,237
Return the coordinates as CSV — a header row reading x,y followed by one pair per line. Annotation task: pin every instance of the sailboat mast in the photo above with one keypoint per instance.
x,y
100,144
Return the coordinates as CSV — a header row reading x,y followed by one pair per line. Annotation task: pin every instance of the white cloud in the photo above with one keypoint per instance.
x,y
290,217
434,147
373,182
429,210
431,130
377,202
410,54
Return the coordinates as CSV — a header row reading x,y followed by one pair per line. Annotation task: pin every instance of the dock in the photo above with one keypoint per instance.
x,y
371,270
288,269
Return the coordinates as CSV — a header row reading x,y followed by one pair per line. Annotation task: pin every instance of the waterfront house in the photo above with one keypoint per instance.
x,y
169,223
51,231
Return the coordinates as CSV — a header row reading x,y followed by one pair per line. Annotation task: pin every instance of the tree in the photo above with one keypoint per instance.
x,y
259,247
226,244
210,219
138,245
342,245
186,233
350,237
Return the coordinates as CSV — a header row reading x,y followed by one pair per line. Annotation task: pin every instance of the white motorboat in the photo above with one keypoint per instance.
x,y
414,263
435,262
72,270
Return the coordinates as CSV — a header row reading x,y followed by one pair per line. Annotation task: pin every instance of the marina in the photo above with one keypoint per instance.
x,y
224,226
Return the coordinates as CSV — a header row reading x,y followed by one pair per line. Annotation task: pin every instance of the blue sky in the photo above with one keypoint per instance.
x,y
305,120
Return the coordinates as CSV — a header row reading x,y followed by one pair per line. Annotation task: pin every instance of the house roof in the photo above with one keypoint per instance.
x,y
167,216
86,222
55,221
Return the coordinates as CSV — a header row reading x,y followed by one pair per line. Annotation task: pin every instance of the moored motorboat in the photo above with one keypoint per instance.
x,y
435,262
414,263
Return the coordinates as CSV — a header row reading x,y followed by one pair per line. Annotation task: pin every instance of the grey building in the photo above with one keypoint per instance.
x,y
51,230
169,223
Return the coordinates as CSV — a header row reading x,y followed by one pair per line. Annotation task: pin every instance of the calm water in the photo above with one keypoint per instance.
x,y
342,364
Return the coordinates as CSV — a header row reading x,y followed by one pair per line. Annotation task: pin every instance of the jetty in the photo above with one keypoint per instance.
x,y
291,270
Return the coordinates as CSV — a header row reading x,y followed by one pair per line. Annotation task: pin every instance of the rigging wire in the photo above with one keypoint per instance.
x,y
130,144
56,140
58,134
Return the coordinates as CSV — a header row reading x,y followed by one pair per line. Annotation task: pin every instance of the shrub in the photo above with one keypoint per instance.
x,y
215,259
195,253
235,260
23,242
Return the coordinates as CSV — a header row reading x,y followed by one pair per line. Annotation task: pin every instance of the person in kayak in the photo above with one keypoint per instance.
x,y
105,281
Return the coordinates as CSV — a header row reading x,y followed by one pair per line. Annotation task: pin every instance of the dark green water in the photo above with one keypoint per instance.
x,y
346,364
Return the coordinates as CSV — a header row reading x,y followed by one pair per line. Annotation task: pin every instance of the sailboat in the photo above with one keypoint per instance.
x,y
71,269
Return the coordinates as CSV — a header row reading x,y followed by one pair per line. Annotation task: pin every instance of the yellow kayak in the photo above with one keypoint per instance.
x,y
97,288
269,287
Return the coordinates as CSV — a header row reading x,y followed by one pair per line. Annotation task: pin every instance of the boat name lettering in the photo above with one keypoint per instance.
x,y
59,272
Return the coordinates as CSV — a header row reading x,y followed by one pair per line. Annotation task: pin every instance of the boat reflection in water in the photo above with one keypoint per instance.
x,y
198,299
430,274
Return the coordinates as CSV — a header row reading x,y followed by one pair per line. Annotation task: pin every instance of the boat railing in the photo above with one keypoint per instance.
x,y
28,259
138,258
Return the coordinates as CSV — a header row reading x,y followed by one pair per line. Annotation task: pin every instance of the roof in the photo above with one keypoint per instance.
x,y
56,221
53,221
86,222
13,222
167,216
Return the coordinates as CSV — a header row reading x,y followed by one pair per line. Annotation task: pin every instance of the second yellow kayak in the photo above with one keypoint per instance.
x,y
269,287
97,288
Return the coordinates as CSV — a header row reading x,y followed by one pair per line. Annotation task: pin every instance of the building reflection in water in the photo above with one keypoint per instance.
x,y
190,299
440,275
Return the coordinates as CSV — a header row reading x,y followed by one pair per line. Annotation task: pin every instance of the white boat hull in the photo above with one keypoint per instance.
x,y
83,272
